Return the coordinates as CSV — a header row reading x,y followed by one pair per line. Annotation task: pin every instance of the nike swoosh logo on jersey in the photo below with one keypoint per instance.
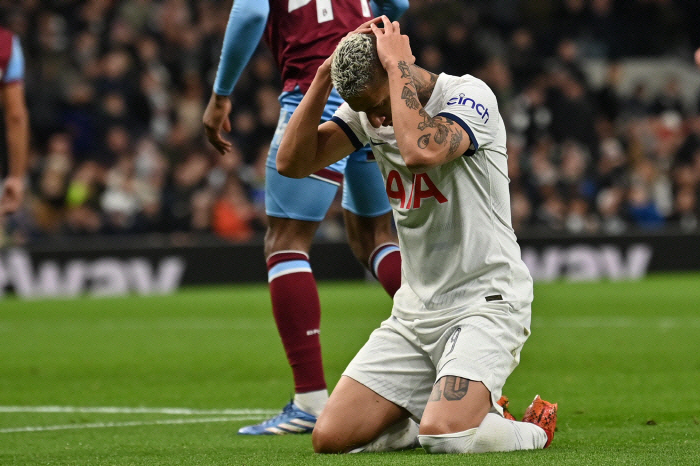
x,y
377,143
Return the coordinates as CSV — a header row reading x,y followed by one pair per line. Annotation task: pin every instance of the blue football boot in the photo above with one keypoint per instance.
x,y
291,420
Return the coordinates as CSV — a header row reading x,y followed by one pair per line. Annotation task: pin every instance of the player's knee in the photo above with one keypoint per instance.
x,y
436,427
326,441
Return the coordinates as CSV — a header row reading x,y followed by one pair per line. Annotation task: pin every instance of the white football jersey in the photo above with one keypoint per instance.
x,y
457,244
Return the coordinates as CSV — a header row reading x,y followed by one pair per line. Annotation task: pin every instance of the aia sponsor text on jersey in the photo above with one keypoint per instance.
x,y
422,187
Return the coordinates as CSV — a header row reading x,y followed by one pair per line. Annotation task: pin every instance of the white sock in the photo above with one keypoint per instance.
x,y
311,402
401,436
459,442
495,433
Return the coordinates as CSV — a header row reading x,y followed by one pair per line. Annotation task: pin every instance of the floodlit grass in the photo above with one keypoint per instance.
x,y
622,359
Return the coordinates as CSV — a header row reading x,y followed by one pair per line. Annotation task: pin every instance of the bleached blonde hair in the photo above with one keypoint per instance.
x,y
355,65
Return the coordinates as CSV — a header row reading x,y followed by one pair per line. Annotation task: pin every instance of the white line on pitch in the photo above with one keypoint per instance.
x,y
136,410
659,322
101,425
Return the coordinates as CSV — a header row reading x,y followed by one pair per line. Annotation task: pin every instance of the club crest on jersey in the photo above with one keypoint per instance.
x,y
462,99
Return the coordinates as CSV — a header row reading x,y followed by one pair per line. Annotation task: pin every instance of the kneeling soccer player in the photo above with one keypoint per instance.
x,y
434,371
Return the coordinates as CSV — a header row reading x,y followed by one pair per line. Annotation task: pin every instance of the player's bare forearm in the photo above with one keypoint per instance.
x,y
17,129
307,147
18,146
425,141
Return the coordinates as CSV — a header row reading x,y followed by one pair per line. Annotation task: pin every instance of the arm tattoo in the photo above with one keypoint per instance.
x,y
410,97
443,131
424,89
455,387
427,121
441,134
423,141
430,122
455,141
454,390
405,70
419,90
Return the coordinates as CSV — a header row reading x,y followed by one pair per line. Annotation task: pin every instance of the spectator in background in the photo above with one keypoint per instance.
x,y
233,214
82,202
609,203
189,176
669,98
16,121
685,210
524,58
48,201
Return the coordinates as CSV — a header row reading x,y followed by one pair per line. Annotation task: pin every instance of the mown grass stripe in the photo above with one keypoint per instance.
x,y
136,410
102,425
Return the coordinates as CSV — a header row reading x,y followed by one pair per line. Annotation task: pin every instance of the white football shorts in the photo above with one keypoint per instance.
x,y
403,359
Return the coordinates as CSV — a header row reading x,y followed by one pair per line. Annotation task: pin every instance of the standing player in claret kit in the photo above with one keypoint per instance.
x,y
301,34
16,121
462,314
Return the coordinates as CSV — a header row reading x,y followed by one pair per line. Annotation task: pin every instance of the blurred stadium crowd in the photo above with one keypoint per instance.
x,y
116,92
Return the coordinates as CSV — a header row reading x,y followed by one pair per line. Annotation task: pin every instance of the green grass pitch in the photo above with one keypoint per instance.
x,y
168,380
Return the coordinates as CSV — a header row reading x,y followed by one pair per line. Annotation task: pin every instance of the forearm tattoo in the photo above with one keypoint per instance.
x,y
455,389
410,97
441,134
405,70
424,89
423,141
417,90
455,141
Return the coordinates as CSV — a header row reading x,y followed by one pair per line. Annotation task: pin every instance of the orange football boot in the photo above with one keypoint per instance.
x,y
543,414
503,403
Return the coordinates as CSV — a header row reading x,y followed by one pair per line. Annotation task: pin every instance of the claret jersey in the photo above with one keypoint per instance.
x,y
453,220
302,33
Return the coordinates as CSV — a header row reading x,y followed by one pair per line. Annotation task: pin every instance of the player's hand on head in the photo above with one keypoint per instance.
x,y
392,46
366,27
215,120
325,67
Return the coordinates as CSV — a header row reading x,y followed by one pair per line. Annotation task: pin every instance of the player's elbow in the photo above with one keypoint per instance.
x,y
285,167
417,161
290,172
258,18
417,168
254,14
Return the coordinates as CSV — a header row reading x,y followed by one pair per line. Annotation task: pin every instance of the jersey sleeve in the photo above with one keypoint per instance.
x,y
15,66
392,8
246,25
349,122
473,107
